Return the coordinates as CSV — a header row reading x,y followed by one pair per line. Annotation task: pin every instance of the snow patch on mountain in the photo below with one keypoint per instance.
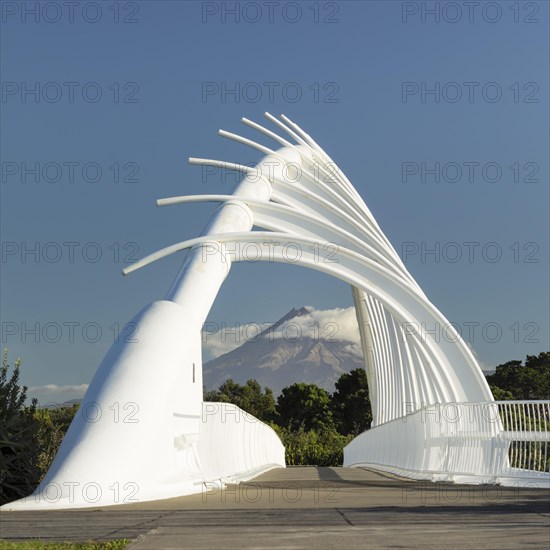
x,y
305,345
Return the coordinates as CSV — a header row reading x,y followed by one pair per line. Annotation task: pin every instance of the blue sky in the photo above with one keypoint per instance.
x,y
391,90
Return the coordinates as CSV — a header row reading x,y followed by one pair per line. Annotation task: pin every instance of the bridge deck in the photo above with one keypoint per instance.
x,y
301,507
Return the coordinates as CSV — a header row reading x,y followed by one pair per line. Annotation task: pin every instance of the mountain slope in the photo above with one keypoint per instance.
x,y
278,361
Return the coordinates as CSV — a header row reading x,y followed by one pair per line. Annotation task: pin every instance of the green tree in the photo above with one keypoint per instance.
x,y
304,405
501,395
314,447
249,398
524,381
52,427
19,445
350,403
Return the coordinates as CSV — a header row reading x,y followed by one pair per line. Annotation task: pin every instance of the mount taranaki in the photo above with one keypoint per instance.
x,y
280,362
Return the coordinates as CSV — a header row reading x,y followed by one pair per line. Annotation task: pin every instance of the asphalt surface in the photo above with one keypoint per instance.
x,y
307,507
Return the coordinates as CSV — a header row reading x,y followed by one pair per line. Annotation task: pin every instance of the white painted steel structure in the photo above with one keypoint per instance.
x,y
505,442
310,215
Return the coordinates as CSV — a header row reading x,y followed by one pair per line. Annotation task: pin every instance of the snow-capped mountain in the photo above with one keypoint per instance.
x,y
306,345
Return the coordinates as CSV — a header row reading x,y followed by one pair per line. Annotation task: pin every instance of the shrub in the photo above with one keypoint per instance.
x,y
319,448
19,445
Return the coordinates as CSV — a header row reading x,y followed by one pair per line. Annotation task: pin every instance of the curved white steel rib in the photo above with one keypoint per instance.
x,y
453,383
279,217
180,444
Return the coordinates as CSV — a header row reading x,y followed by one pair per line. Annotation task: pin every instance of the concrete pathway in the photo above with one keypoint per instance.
x,y
297,508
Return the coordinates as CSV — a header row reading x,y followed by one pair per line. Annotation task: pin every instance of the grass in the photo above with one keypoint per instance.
x,y
39,545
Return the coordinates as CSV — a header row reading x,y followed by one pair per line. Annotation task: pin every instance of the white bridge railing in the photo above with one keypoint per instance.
x,y
489,442
526,426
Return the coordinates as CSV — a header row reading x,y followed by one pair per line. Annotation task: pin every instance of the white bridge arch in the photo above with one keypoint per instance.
x,y
434,416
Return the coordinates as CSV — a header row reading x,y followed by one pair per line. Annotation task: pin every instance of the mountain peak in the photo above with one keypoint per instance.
x,y
294,312
278,361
